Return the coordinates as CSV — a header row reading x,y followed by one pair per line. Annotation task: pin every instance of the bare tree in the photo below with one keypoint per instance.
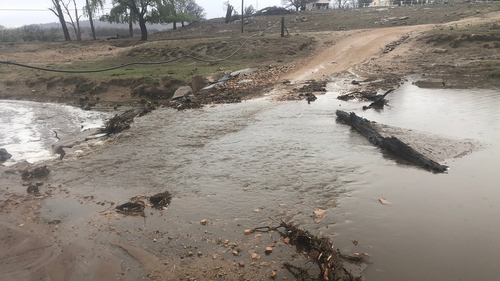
x,y
229,11
56,9
75,25
340,4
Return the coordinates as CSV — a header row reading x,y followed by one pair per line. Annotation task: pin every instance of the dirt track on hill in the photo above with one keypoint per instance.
x,y
357,47
351,50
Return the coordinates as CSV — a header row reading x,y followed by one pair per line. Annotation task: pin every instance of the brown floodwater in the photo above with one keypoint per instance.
x,y
294,158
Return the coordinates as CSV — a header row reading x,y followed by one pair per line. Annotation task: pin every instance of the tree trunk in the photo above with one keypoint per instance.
x,y
130,27
91,20
62,20
182,24
79,33
391,145
229,13
175,25
144,30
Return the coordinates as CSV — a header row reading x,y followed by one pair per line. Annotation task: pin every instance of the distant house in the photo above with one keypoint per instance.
x,y
318,4
381,3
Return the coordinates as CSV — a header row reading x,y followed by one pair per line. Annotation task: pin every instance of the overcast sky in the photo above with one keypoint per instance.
x,y
15,13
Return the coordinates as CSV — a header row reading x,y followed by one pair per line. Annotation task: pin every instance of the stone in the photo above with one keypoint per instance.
x,y
32,189
404,18
55,221
182,92
4,155
248,231
287,240
430,83
197,83
264,264
246,81
255,256
440,51
269,250
203,222
26,183
246,71
273,274
235,253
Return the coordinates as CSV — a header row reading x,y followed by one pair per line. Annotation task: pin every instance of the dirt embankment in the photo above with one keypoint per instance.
x,y
320,45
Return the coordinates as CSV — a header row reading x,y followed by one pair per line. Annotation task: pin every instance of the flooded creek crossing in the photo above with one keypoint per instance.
x,y
237,165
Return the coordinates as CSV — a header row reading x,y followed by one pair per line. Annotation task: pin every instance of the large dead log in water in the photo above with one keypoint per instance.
x,y
392,144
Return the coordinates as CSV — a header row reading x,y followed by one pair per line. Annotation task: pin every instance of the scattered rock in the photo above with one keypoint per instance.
x,y
197,83
246,81
264,264
355,242
269,250
247,71
26,183
4,155
248,231
440,51
363,256
235,253
384,202
287,240
183,91
241,264
39,183
430,83
320,213
38,172
203,222
55,221
255,256
273,274
404,18
32,189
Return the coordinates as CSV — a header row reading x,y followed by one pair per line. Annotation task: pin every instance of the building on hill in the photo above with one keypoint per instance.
x,y
381,3
318,4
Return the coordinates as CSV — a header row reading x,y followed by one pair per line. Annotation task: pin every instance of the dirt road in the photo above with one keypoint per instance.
x,y
354,49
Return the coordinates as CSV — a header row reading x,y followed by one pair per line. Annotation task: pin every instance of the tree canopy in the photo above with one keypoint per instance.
x,y
154,11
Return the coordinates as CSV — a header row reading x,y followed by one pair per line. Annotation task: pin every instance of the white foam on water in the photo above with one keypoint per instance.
x,y
27,128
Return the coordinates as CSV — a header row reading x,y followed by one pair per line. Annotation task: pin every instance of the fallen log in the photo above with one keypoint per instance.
x,y
390,144
122,122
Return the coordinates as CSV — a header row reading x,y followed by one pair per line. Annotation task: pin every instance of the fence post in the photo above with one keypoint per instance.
x,y
242,15
282,26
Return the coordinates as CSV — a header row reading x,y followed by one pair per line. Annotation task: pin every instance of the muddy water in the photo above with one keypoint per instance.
x,y
293,158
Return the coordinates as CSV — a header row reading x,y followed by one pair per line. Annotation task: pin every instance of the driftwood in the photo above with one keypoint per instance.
x,y
122,122
38,172
161,200
379,101
320,250
131,208
390,144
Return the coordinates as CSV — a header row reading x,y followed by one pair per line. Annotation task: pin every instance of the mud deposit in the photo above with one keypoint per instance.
x,y
237,165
